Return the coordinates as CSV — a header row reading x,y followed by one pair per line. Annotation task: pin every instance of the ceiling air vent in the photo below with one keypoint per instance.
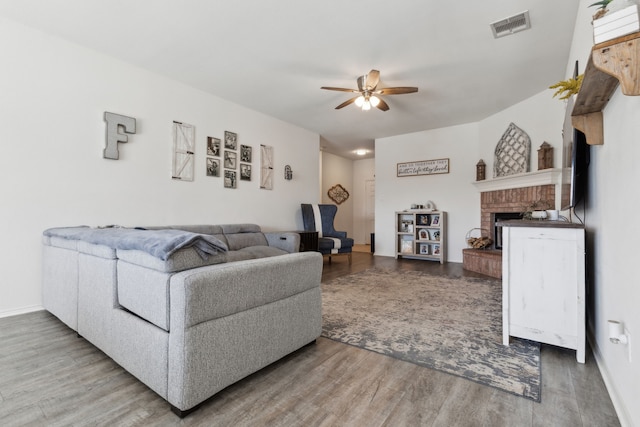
x,y
511,25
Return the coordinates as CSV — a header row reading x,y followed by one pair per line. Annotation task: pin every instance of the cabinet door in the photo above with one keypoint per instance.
x,y
546,289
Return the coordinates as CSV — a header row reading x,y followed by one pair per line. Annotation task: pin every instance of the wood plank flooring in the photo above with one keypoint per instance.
x,y
49,377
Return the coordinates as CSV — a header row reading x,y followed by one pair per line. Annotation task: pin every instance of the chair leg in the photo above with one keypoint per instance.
x,y
349,258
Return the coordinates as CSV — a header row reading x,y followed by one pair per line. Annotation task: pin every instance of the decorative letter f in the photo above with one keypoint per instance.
x,y
114,123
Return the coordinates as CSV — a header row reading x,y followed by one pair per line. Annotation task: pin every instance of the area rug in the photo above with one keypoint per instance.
x,y
453,325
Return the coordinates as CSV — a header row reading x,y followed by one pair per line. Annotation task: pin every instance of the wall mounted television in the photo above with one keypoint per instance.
x,y
575,163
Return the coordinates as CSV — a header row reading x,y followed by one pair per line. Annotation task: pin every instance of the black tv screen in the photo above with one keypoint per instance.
x,y
575,163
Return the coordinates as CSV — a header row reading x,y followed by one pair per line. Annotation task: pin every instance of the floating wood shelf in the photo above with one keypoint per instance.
x,y
612,62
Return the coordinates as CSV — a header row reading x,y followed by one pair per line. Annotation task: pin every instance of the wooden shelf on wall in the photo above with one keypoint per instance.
x,y
611,63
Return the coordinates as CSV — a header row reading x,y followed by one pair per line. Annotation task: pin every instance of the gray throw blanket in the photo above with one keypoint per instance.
x,y
158,243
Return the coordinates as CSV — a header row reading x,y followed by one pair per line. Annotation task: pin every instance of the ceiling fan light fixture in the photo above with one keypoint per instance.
x,y
368,94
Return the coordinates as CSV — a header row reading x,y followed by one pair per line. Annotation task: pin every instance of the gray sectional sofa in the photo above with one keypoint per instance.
x,y
218,303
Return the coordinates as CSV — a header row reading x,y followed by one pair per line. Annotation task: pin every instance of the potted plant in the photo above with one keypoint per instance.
x,y
602,8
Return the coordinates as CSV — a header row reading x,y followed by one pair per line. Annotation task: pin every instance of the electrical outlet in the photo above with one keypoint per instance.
x,y
626,332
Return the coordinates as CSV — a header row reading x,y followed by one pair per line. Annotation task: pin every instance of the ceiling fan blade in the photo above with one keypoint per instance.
x,y
347,102
383,105
396,90
340,89
373,78
361,83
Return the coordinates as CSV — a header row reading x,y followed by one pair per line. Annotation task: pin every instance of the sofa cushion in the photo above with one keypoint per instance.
x,y
144,292
100,251
59,242
214,230
225,289
182,259
241,236
261,251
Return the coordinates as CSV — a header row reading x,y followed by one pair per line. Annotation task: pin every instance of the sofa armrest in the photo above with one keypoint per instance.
x,y
286,241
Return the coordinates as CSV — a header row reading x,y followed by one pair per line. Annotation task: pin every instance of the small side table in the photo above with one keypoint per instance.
x,y
308,240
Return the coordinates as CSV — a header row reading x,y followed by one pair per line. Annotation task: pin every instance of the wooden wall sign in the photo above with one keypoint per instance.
x,y
338,193
424,167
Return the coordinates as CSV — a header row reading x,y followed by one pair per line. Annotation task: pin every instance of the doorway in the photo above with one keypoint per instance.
x,y
369,209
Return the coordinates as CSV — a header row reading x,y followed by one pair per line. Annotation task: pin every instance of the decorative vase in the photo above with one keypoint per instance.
x,y
539,214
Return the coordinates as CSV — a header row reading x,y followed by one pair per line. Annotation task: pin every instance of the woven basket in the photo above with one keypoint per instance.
x,y
478,238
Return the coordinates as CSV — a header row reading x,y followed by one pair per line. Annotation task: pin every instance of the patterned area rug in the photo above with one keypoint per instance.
x,y
452,325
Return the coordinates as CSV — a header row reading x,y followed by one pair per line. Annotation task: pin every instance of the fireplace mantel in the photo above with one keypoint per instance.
x,y
528,179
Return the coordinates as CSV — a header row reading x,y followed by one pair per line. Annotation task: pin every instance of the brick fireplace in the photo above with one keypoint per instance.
x,y
501,201
514,200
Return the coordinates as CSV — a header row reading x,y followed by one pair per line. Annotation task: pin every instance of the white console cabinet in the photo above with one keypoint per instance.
x,y
543,283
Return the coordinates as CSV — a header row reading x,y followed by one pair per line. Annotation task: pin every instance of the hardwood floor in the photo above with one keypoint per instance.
x,y
49,377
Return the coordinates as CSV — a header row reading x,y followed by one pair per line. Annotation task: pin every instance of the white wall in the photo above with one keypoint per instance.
x,y
52,173
612,235
540,116
338,170
453,192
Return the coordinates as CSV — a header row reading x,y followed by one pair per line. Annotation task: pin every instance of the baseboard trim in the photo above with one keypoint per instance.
x,y
23,310
618,404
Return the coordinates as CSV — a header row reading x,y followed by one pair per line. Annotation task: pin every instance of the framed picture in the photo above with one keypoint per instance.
x,y
245,172
213,146
230,158
230,140
229,179
213,167
436,249
435,220
406,247
423,219
245,153
423,234
424,249
434,234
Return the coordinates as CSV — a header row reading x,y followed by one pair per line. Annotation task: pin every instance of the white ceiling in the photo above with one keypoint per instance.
x,y
273,56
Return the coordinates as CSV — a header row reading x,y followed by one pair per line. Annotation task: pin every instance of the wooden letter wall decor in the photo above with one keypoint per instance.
x,y
115,123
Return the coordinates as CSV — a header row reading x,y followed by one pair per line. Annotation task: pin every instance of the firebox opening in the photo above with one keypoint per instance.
x,y
497,231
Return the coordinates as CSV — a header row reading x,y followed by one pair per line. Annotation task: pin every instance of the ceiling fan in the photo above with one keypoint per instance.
x,y
368,94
